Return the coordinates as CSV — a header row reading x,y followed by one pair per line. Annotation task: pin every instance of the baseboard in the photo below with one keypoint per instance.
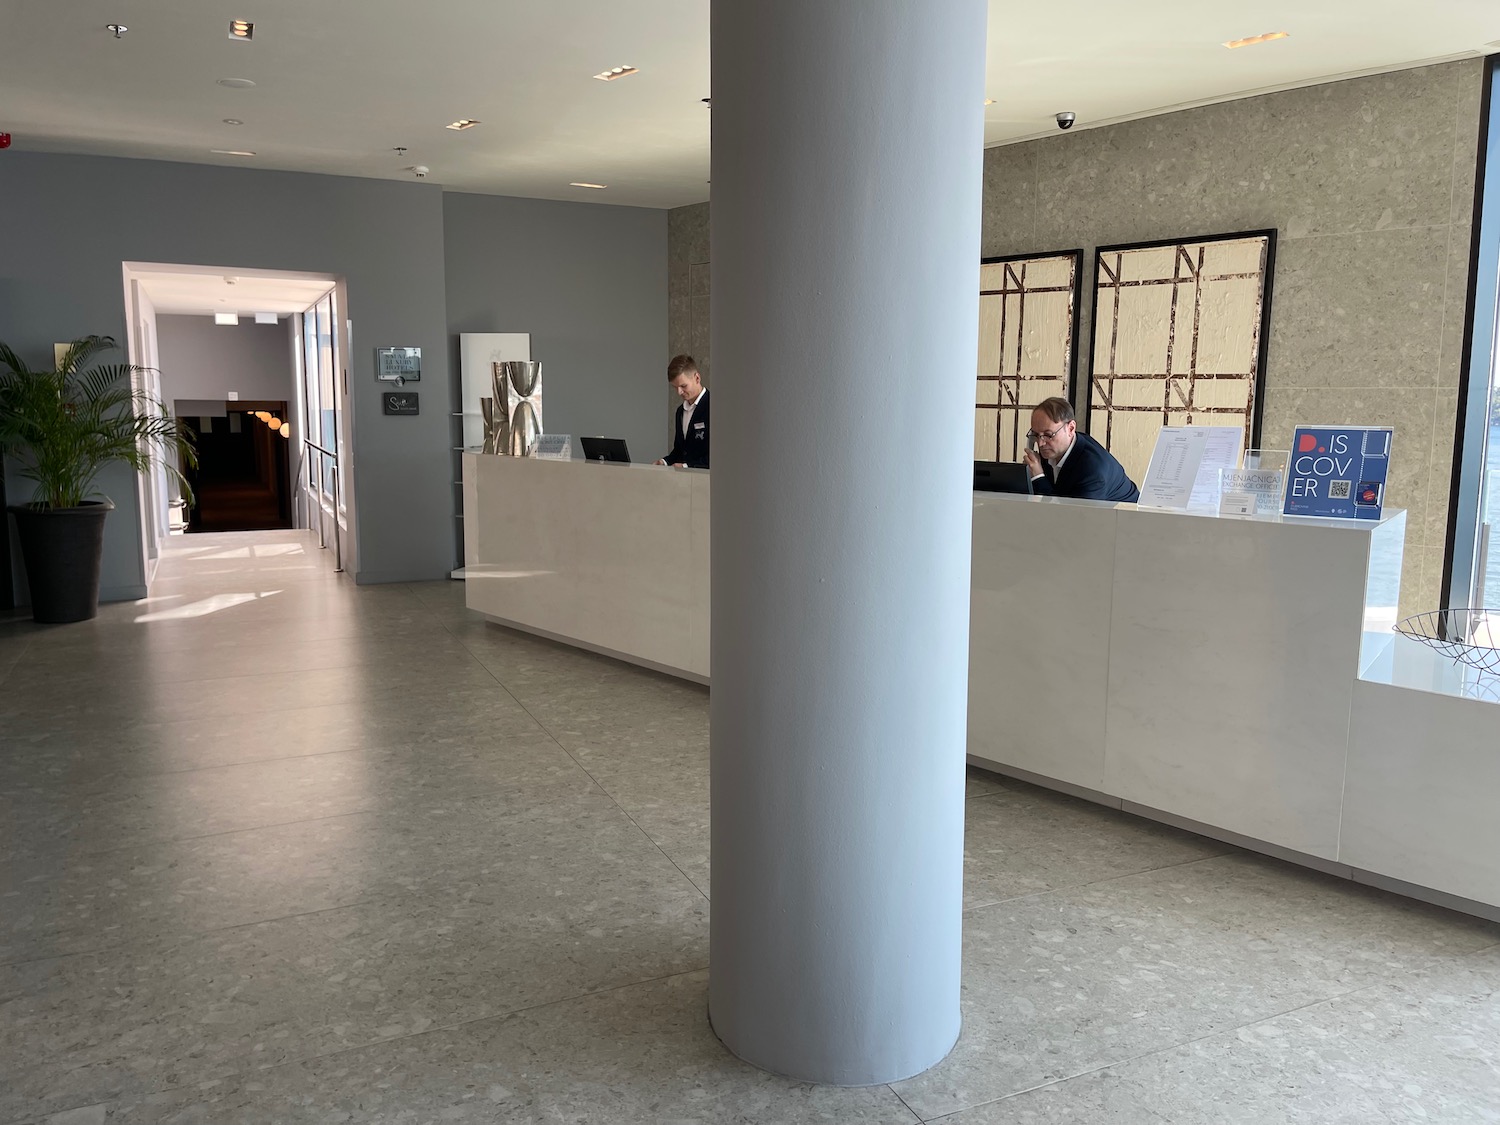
x,y
122,593
1302,859
573,642
1079,791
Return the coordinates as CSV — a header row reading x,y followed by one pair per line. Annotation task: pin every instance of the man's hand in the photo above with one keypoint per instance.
x,y
1033,464
659,461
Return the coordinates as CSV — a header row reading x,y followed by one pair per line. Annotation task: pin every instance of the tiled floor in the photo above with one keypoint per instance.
x,y
277,849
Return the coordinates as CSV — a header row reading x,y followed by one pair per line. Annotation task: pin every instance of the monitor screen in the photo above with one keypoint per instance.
x,y
605,449
1002,476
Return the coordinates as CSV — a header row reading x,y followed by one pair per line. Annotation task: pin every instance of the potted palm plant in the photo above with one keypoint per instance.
x,y
62,427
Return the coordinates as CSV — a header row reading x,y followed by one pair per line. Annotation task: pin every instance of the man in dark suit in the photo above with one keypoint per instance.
x,y
690,429
1071,463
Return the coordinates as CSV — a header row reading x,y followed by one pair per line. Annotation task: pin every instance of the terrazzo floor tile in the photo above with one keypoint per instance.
x,y
1022,840
51,759
1421,1048
129,1021
638,1054
203,802
162,891
1061,983
442,871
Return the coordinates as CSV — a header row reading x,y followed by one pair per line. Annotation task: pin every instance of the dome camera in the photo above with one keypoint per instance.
x,y
1066,118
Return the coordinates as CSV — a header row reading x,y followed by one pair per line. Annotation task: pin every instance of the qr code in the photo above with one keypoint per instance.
x,y
1340,489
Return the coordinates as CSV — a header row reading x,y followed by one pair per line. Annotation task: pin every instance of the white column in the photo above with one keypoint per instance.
x,y
847,169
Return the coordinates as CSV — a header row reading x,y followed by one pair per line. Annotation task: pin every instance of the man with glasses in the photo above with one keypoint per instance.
x,y
1064,462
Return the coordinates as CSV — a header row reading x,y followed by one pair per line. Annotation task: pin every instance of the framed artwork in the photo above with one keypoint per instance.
x,y
1028,321
1180,336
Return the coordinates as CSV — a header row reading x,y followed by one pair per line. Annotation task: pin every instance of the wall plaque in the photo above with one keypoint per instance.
x,y
398,365
399,402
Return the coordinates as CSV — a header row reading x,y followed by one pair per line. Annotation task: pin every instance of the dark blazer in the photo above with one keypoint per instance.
x,y
1089,473
692,450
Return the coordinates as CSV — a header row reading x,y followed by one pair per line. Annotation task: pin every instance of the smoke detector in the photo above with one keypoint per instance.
x,y
419,171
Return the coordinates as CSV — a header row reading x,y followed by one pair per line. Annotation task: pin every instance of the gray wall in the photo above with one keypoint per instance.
x,y
204,360
1370,183
67,223
589,283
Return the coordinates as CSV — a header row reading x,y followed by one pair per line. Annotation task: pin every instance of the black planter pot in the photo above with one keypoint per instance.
x,y
63,549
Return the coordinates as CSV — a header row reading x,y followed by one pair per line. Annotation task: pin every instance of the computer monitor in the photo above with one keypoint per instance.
x,y
1002,476
605,449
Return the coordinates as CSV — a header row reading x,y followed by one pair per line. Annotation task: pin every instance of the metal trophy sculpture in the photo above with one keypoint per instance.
x,y
514,418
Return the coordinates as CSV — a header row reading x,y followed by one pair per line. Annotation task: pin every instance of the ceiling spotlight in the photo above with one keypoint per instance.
x,y
709,102
600,187
241,29
233,121
231,152
274,422
237,83
461,124
399,150
226,318
285,430
118,28
989,101
617,72
1254,39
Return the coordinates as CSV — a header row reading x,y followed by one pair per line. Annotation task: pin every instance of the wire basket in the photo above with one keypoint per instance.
x,y
1465,636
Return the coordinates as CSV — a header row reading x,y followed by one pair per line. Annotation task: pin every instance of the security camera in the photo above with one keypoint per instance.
x,y
1066,118
420,171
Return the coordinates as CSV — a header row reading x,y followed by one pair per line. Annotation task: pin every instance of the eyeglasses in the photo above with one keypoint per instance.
x,y
1046,435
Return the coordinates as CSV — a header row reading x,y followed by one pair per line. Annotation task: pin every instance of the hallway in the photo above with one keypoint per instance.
x,y
277,848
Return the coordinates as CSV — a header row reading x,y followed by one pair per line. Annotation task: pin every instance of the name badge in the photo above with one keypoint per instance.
x,y
699,425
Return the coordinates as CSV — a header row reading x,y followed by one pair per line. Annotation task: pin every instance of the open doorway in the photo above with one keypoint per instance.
x,y
230,352
242,481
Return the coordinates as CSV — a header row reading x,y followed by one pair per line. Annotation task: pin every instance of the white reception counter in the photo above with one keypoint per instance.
x,y
1237,677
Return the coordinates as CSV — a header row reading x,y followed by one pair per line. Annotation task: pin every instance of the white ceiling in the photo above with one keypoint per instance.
x,y
342,82
202,291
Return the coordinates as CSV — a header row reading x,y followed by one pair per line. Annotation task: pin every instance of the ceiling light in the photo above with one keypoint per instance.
x,y
617,72
274,422
265,318
263,415
226,318
462,123
709,102
601,187
285,430
233,121
1254,39
237,83
230,152
118,28
989,101
241,29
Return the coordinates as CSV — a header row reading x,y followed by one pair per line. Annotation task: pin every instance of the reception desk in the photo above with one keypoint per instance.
x,y
1233,676
609,557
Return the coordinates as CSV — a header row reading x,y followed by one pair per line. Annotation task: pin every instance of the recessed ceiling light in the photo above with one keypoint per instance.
x,y
241,29
226,318
118,28
1254,39
461,124
577,183
617,72
265,318
230,152
236,83
233,121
